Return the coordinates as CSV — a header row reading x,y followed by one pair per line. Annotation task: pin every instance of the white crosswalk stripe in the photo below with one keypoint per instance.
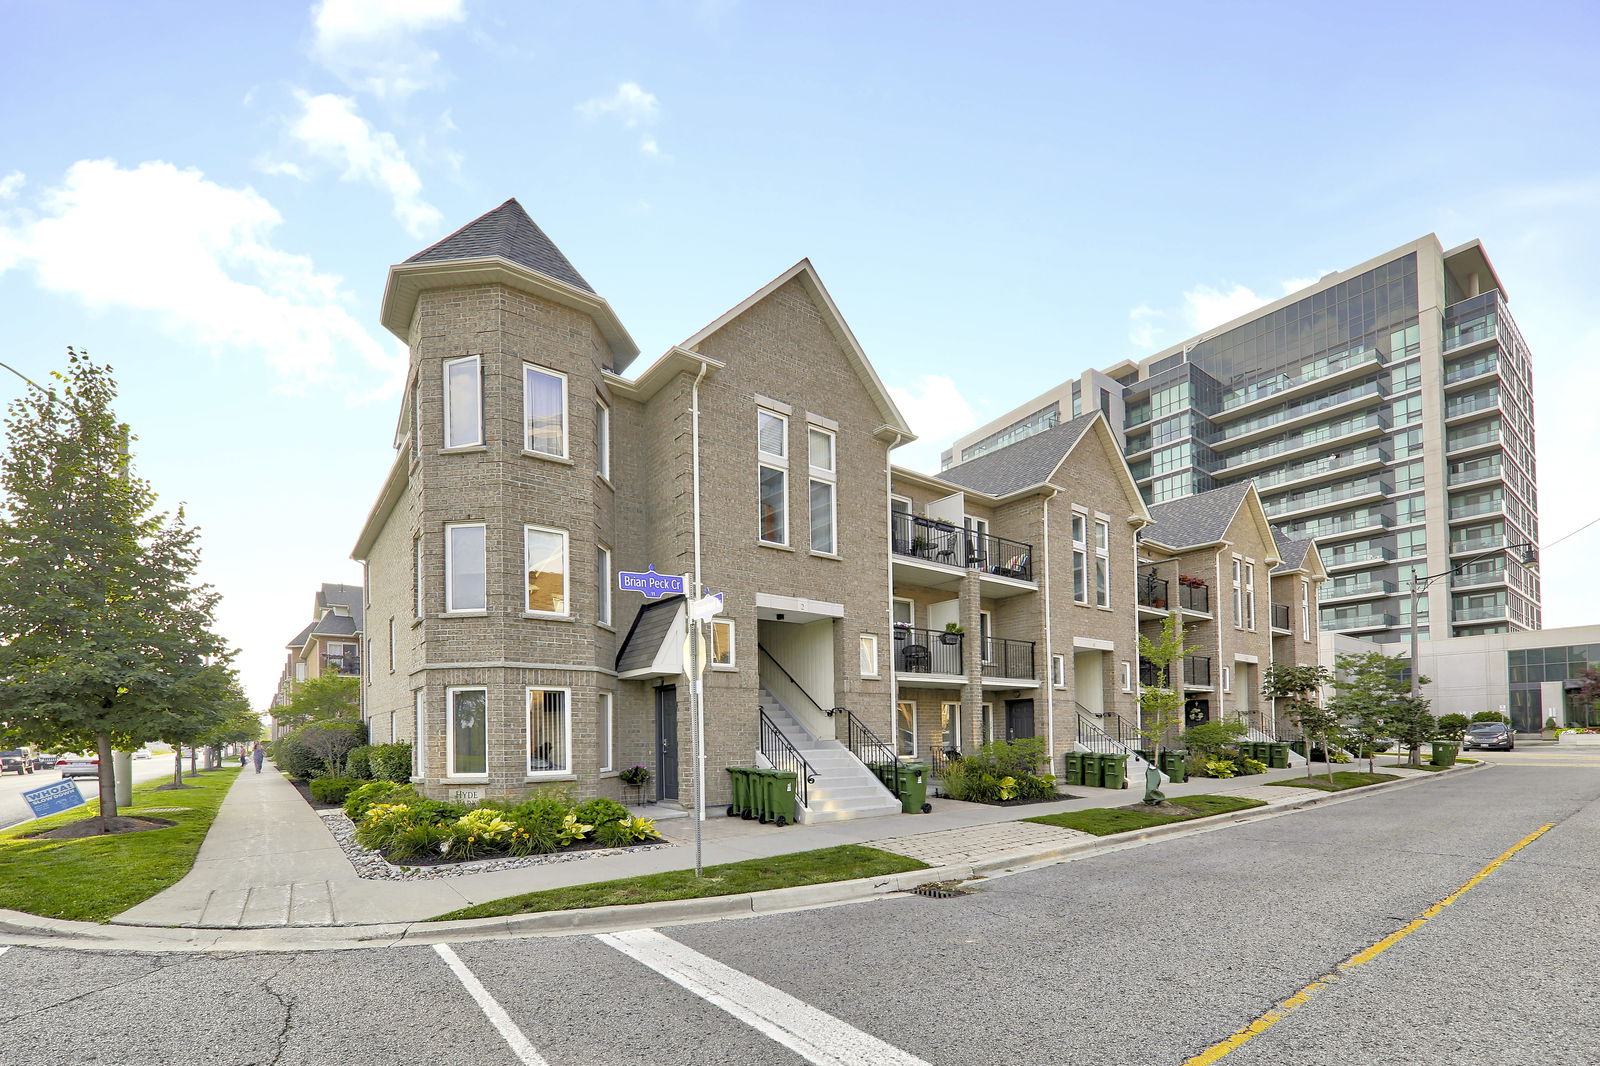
x,y
815,1035
496,1014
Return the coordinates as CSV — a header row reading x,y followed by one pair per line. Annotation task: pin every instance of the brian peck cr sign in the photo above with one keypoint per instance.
x,y
652,584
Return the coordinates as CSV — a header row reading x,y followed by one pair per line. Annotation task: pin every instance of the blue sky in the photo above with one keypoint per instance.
x,y
207,196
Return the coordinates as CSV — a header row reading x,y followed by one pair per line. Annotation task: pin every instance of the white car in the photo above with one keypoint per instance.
x,y
78,766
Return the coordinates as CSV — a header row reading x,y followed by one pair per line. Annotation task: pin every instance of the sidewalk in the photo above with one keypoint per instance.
x,y
269,861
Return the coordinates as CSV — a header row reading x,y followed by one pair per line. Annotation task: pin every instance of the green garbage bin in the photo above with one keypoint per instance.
x,y
781,796
1091,769
1278,756
884,772
757,794
914,788
1072,771
741,790
1147,754
1175,764
1113,771
1444,754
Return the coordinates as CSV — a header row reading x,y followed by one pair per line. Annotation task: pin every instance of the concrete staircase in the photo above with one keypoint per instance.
x,y
844,788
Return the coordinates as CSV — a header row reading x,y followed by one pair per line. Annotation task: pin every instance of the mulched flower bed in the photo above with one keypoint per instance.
x,y
90,827
1017,802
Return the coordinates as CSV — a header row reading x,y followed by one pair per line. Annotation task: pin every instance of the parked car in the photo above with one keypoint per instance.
x,y
78,766
16,762
45,761
141,754
1489,735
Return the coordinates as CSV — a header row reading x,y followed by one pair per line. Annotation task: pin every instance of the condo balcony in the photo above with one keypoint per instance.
x,y
1460,442
1285,507
1486,575
1459,511
1371,588
1353,396
1324,438
1357,557
929,651
1477,544
1008,658
1479,367
1349,460
1478,614
1471,404
1153,592
1477,470
1352,623
1323,372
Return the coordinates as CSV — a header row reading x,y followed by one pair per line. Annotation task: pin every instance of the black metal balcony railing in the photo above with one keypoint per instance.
x,y
1280,616
1197,670
348,665
1008,658
1151,676
927,651
916,537
1195,597
1152,591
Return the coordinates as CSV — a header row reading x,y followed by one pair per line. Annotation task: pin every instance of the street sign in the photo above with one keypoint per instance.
x,y
706,608
53,799
652,584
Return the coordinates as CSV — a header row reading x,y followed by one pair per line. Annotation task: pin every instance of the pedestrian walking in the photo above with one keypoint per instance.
x,y
259,755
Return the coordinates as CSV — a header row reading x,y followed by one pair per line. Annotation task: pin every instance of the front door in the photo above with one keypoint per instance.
x,y
1019,719
1196,712
667,742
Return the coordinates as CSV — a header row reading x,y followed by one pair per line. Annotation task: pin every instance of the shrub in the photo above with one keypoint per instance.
x,y
598,812
359,762
625,831
331,740
1337,756
381,823
480,830
1491,716
1254,766
1452,725
295,759
417,838
1219,768
1550,723
391,762
332,789
363,796
1211,740
540,820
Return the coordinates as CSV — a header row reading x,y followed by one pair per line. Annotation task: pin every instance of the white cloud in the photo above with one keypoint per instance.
x,y
937,413
197,254
372,44
1204,306
280,168
1144,328
649,146
11,184
330,129
631,104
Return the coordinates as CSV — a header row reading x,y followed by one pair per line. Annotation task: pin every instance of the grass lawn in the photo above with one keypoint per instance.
x,y
1104,821
92,879
1342,779
752,875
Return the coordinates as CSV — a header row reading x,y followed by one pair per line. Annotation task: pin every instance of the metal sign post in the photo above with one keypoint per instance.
x,y
694,664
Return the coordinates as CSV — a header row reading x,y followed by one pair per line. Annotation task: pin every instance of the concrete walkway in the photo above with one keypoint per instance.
x,y
270,861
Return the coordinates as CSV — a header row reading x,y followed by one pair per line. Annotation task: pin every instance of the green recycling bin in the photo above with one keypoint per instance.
x,y
1278,756
1444,753
1072,771
914,788
1147,754
757,794
741,791
781,796
884,772
1091,769
1113,771
1175,764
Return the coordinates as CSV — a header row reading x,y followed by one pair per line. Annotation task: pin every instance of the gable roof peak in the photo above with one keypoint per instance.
x,y
507,232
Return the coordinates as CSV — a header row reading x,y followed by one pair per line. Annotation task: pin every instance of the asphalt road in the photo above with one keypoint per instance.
x,y
14,809
1148,955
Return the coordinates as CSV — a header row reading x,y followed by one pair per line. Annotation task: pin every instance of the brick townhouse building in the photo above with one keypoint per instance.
x,y
330,644
861,601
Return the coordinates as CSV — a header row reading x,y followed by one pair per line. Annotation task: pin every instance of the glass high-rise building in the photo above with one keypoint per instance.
x,y
1386,411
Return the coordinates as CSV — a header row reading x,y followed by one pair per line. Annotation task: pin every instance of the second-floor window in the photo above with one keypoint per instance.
x,y
721,652
602,439
1250,595
824,477
1305,610
772,449
602,579
1102,564
545,557
544,404
464,567
1080,558
463,403
1238,593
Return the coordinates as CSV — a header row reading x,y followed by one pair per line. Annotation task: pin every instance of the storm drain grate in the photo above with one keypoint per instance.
x,y
160,810
942,890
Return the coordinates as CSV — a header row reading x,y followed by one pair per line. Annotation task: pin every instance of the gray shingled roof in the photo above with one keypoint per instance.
x,y
347,596
1022,465
1291,551
508,232
651,626
1203,518
336,625
305,634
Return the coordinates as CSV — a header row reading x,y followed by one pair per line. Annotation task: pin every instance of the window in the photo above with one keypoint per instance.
x,y
602,439
544,410
603,726
772,434
416,418
545,556
549,730
418,733
1127,676
1238,593
869,655
1250,596
463,403
949,727
1058,671
464,567
722,643
1102,564
986,723
821,445
602,578
1080,558
467,733
391,662
1227,680
1305,609
1409,542
905,728
1409,509
416,574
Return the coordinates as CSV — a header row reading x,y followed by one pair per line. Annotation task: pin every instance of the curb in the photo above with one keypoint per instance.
x,y
18,928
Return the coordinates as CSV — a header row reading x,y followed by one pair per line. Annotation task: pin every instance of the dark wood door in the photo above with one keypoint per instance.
x,y
667,742
1019,719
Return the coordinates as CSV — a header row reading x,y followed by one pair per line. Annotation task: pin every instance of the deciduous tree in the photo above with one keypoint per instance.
x,y
1300,687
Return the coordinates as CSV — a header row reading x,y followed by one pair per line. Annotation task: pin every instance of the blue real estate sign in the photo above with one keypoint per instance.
x,y
53,799
652,584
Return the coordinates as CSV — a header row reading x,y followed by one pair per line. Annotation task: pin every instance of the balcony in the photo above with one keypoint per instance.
x,y
344,665
1356,590
1367,455
1478,507
1195,596
1489,575
1371,422
1471,368
1008,658
1280,617
1466,334
1307,375
1285,506
1359,557
1352,622
1457,442
1474,544
1152,591
930,540
1337,527
1477,614
1471,404
1196,671
928,651
1479,470
1239,431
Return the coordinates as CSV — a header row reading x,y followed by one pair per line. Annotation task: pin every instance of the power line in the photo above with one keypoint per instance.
x,y
1569,536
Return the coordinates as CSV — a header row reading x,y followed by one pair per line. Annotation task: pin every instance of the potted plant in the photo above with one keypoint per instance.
x,y
952,633
919,543
635,776
902,630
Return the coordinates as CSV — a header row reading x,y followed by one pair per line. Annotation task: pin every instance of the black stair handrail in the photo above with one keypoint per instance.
x,y
1112,724
774,661
783,755
868,747
1096,739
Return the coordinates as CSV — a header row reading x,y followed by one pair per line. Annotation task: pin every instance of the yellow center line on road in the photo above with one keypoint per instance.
x,y
1288,1006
